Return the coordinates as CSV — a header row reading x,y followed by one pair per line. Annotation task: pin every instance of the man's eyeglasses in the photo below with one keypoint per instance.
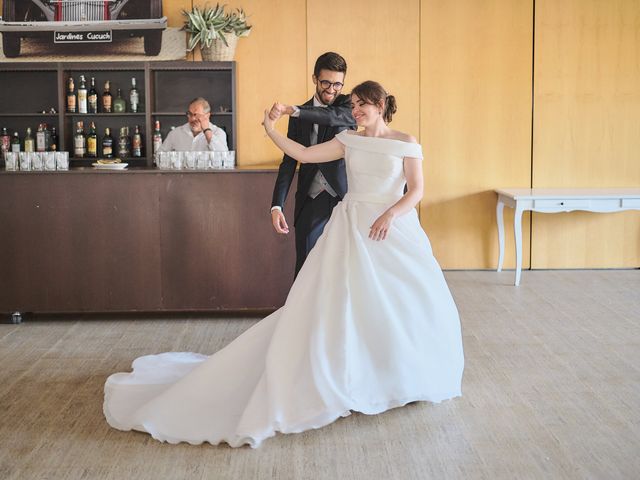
x,y
192,115
326,84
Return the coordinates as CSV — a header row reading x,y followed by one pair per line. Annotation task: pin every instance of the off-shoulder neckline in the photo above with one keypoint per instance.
x,y
345,132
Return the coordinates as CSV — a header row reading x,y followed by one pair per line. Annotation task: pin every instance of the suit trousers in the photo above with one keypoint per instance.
x,y
313,216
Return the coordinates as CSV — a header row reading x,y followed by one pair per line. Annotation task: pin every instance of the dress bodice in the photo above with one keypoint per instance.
x,y
375,164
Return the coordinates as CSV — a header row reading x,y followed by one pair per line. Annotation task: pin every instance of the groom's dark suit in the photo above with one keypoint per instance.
x,y
311,214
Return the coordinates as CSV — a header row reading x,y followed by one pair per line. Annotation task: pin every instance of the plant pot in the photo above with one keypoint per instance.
x,y
219,52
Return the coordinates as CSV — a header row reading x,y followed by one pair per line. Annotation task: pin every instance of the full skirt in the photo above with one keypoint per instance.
x,y
367,326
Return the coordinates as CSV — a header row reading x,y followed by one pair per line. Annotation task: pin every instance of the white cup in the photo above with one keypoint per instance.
x,y
12,162
175,161
202,160
50,161
216,159
229,159
164,160
25,161
62,160
37,161
190,159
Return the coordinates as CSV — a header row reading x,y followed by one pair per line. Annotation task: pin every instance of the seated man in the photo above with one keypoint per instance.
x,y
198,134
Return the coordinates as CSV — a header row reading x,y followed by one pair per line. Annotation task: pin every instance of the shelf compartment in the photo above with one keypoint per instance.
x,y
21,94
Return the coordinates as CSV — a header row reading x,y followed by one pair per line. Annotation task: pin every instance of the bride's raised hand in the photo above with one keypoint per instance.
x,y
268,122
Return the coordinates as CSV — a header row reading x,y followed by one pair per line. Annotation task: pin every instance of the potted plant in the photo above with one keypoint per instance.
x,y
215,30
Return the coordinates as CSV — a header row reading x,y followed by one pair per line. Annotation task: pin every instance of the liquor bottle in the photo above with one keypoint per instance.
x,y
71,96
92,141
124,143
53,144
82,95
107,144
47,137
79,141
43,138
40,139
157,138
107,98
134,97
93,97
5,142
136,143
119,104
29,143
15,142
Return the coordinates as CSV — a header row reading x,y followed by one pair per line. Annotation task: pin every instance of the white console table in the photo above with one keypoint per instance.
x,y
554,200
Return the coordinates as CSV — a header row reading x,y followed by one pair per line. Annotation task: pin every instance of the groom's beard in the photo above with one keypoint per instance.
x,y
326,97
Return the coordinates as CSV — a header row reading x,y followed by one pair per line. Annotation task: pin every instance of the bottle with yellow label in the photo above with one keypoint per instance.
x,y
107,144
29,142
82,96
71,96
92,141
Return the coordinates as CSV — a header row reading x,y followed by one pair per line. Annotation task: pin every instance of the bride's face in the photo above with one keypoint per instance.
x,y
364,113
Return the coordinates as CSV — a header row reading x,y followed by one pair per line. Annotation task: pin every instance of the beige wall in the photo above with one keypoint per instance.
x,y
271,66
587,127
475,117
464,72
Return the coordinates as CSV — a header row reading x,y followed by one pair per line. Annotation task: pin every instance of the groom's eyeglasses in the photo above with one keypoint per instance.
x,y
326,84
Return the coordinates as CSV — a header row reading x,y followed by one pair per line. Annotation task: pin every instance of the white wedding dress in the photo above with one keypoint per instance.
x,y
367,326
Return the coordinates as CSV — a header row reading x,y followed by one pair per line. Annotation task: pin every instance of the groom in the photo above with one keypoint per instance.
x,y
320,185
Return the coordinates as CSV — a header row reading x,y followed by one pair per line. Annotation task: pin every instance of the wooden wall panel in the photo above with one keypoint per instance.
x,y
380,41
475,106
271,65
586,127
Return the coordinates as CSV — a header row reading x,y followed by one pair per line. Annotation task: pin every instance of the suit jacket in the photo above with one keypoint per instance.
x,y
331,121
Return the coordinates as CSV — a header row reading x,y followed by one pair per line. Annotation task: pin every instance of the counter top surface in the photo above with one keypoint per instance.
x,y
139,170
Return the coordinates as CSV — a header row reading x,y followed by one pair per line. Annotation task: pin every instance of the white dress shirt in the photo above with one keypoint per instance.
x,y
181,139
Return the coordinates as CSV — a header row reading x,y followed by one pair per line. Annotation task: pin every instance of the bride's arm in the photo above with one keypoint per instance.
x,y
415,188
323,152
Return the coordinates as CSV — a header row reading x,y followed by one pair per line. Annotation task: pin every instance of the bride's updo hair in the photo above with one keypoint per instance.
x,y
372,92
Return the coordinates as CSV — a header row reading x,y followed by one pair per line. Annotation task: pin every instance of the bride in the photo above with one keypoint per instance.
x,y
369,323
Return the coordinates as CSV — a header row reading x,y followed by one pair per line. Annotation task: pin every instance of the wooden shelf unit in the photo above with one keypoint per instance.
x,y
165,91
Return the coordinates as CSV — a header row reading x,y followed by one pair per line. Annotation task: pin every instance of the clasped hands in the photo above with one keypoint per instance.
x,y
272,115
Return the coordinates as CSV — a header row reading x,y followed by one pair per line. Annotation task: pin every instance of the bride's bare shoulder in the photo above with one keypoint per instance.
x,y
404,137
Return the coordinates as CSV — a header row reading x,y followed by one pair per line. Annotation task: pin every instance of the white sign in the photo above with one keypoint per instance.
x,y
83,37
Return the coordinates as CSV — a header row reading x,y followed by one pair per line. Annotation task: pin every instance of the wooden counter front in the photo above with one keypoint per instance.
x,y
141,240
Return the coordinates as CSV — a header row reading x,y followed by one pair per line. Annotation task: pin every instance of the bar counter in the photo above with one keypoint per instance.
x,y
141,240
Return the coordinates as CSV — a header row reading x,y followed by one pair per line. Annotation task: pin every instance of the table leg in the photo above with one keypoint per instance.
x,y
517,233
500,220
